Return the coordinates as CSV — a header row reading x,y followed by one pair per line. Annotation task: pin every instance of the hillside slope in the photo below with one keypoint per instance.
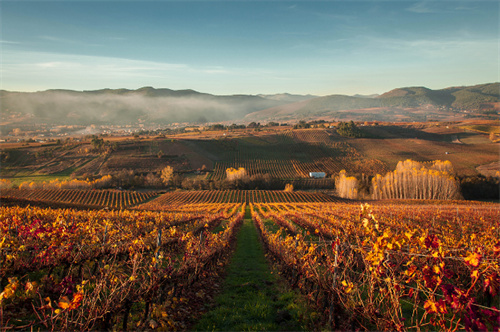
x,y
122,106
407,103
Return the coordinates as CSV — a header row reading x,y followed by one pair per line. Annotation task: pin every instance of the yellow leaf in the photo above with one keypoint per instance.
x,y
64,302
473,259
348,286
430,306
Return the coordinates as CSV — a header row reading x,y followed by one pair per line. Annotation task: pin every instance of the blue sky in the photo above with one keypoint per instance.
x,y
248,47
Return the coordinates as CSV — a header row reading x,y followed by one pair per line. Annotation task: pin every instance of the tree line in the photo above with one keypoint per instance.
x,y
410,180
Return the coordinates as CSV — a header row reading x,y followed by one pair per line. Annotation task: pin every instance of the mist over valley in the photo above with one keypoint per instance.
x,y
164,107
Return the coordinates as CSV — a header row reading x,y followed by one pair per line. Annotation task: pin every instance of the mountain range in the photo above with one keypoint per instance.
x,y
165,106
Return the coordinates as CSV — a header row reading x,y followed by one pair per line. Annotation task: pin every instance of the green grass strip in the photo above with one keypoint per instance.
x,y
252,299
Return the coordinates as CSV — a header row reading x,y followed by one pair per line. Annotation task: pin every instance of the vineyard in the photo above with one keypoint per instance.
x,y
289,156
394,265
102,270
173,199
390,266
116,199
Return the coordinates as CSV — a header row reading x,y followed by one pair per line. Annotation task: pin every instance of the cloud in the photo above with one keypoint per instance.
x,y
49,70
432,7
67,41
461,46
35,71
423,7
9,42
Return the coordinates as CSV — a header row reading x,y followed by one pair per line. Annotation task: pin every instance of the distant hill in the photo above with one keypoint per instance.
x,y
407,103
148,105
122,106
366,96
286,97
471,97
312,108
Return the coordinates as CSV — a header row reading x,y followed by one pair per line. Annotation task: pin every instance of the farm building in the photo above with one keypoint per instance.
x,y
317,175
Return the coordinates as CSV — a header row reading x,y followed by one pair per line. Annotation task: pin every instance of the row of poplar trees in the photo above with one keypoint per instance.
x,y
410,180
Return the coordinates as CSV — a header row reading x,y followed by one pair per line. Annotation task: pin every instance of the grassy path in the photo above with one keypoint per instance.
x,y
251,298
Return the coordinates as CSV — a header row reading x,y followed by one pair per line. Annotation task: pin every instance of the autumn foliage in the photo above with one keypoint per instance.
x,y
415,180
108,270
233,174
346,186
389,267
102,182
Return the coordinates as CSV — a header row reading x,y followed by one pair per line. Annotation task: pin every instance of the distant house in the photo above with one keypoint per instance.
x,y
317,175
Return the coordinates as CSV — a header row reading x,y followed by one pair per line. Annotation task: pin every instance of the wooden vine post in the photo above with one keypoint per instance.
x,y
334,298
158,246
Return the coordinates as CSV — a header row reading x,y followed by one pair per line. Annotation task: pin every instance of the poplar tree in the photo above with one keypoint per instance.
x,y
346,186
416,180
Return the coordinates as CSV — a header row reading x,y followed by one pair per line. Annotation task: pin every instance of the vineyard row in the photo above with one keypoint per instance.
x,y
369,267
233,196
90,198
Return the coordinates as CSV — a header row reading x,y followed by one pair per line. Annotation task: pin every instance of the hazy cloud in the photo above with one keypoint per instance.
x,y
47,69
423,7
8,42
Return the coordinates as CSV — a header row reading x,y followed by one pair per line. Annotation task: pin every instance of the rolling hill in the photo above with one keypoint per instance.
x,y
152,106
406,103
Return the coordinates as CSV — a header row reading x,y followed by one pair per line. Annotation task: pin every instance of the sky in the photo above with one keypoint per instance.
x,y
248,47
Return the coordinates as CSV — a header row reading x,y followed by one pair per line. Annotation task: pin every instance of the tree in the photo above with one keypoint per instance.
x,y
97,143
217,126
301,124
415,180
346,186
349,129
233,174
167,175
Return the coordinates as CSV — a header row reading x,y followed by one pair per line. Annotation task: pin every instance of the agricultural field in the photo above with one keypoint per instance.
x,y
466,150
161,258
285,154
173,199
288,156
391,265
81,198
97,270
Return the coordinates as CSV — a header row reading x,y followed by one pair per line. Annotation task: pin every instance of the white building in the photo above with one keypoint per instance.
x,y
317,175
